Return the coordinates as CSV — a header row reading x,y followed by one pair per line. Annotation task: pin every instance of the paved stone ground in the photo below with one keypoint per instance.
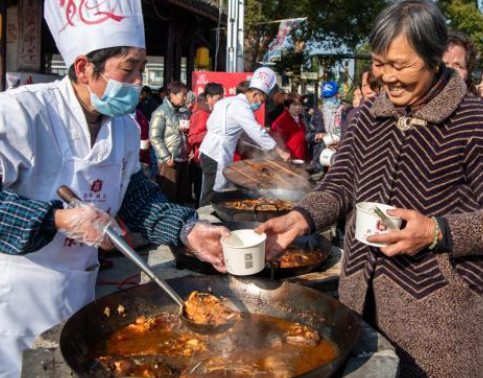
x,y
110,279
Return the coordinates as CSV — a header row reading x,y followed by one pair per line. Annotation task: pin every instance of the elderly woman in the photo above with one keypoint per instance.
x,y
417,146
461,55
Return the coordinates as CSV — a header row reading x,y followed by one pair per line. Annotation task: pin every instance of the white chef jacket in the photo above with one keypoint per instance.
x,y
45,143
230,117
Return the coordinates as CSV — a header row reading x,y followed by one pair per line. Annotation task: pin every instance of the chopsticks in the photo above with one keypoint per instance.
x,y
387,222
274,175
274,163
249,177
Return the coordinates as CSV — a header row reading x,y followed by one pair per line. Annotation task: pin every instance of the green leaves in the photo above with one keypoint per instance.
x,y
464,15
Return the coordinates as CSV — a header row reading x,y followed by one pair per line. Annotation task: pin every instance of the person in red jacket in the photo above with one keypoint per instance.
x,y
206,101
144,153
289,128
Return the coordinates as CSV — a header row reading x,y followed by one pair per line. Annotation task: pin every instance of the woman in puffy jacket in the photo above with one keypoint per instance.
x,y
170,143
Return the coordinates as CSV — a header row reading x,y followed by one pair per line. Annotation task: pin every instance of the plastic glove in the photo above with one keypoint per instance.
x,y
85,224
204,239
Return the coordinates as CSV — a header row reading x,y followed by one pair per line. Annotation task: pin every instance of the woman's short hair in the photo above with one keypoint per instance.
x,y
458,38
422,23
176,87
292,98
190,99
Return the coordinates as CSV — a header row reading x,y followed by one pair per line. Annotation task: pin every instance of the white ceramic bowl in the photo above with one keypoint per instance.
x,y
368,223
244,253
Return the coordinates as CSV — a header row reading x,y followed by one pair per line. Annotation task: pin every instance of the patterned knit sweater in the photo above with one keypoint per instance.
x,y
430,305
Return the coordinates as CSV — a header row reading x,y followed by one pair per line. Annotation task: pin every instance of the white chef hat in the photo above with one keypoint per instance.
x,y
80,27
264,79
12,80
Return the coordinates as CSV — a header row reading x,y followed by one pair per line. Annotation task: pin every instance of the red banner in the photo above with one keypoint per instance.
x,y
229,81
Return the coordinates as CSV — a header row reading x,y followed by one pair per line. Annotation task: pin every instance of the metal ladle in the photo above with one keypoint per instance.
x,y
68,196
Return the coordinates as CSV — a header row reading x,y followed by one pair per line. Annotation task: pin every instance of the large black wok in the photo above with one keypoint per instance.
x,y
230,214
288,301
186,260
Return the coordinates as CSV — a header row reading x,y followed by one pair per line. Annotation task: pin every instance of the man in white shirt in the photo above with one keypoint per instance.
x,y
230,118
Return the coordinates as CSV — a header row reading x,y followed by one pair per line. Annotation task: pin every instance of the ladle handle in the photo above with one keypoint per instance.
x,y
127,251
67,195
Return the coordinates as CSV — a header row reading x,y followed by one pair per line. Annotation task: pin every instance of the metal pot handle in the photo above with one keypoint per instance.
x,y
256,211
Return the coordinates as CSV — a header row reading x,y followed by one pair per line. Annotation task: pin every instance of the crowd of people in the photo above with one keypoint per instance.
x,y
173,130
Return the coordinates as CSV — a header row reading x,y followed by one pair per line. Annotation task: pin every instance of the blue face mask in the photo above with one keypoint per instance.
x,y
118,99
255,106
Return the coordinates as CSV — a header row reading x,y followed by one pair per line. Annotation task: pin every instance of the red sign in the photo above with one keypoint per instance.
x,y
229,81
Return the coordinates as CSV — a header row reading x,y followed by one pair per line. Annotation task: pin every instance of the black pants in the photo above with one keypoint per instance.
x,y
208,166
196,177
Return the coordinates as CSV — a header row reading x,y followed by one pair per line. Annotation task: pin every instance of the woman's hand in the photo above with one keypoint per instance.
x,y
170,162
204,240
417,235
281,232
319,137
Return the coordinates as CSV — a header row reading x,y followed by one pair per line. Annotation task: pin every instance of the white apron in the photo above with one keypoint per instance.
x,y
41,289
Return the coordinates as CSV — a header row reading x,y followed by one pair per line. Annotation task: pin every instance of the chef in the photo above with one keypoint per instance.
x,y
229,119
77,132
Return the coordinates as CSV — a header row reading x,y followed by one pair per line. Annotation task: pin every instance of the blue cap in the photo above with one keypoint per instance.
x,y
330,89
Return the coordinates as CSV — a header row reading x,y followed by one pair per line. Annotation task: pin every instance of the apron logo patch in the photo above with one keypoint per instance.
x,y
72,243
96,186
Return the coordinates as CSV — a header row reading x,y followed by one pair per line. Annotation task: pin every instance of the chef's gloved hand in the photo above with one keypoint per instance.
x,y
204,240
281,232
85,224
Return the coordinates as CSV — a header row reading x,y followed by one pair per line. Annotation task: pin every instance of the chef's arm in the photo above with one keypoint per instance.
x,y
247,121
146,210
157,129
26,225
